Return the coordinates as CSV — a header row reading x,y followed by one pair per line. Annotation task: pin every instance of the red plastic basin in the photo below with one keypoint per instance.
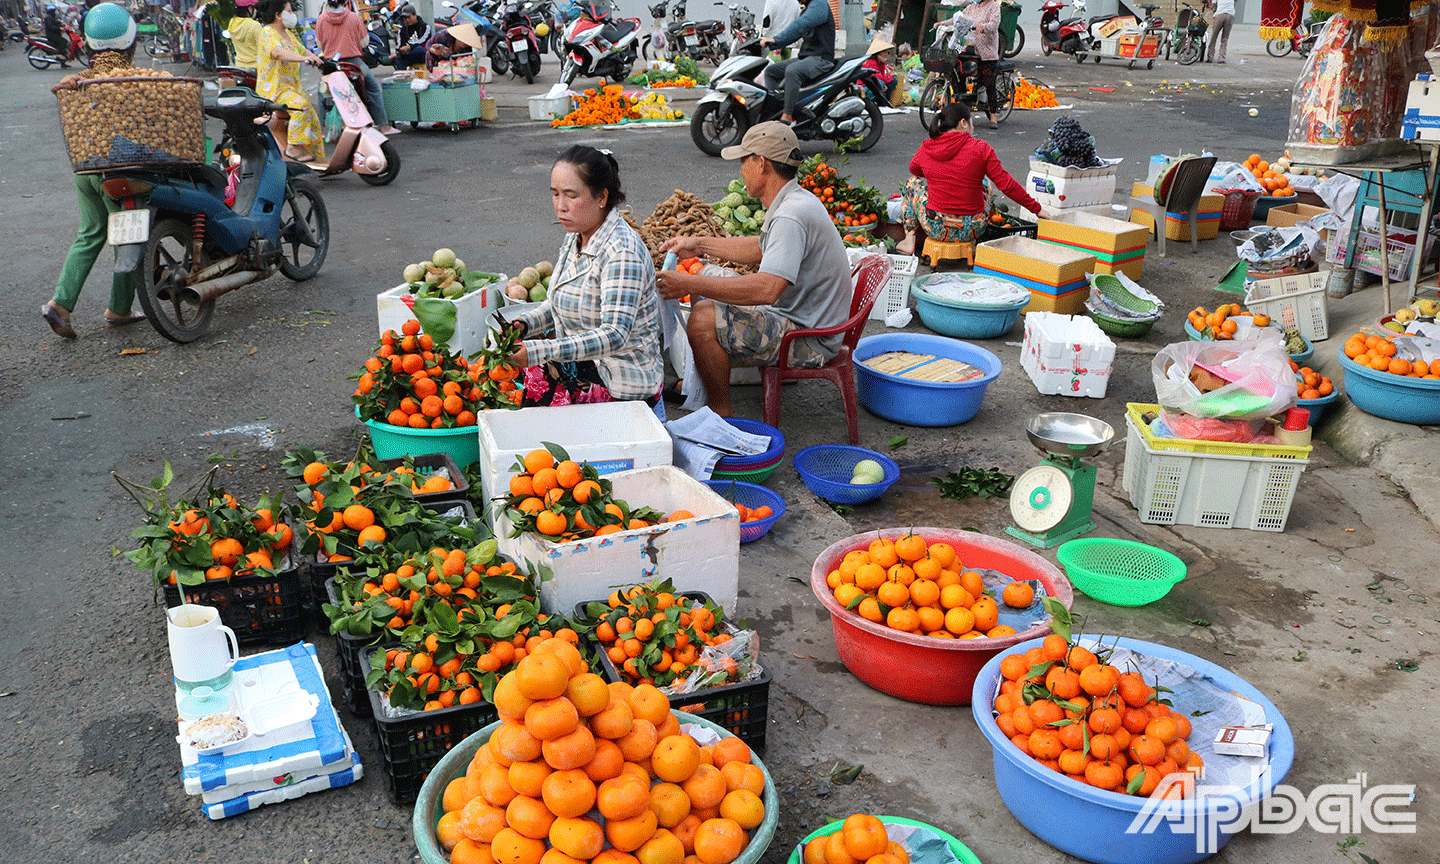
x,y
922,668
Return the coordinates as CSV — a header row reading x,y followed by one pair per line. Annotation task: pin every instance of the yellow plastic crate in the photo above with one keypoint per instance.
x,y
1135,410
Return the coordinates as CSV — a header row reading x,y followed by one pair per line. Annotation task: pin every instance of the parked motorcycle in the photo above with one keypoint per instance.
x,y
841,106
186,246
698,40
742,27
522,44
1066,35
1301,40
1189,36
43,55
598,45
361,147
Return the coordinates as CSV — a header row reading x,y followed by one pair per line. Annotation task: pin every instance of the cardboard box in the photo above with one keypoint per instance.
x,y
1292,214
396,306
1067,355
611,436
1243,741
699,554
1177,226
1034,263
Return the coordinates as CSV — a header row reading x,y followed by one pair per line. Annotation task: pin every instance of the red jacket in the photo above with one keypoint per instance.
x,y
955,166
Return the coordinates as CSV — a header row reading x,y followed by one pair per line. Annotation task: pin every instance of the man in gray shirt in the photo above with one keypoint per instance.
x,y
803,279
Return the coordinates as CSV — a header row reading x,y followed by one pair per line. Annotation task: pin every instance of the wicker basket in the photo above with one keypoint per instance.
x,y
938,58
111,123
488,109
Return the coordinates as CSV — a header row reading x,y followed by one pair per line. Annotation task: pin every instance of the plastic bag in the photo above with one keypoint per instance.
x,y
1261,383
735,661
1207,429
1280,244
1236,178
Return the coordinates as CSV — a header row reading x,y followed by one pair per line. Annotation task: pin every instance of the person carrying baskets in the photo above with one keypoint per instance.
x,y
110,32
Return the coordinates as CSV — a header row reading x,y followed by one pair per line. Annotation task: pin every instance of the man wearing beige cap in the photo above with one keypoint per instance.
x,y
803,280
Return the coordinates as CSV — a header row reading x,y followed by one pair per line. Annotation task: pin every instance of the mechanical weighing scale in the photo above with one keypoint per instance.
x,y
1051,502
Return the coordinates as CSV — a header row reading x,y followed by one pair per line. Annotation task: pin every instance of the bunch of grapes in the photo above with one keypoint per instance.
x,y
1070,146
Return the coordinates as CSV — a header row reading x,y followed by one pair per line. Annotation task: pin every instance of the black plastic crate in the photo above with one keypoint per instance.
x,y
1020,228
410,746
425,466
260,609
353,667
740,708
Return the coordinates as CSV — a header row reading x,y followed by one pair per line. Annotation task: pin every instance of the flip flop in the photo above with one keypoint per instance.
x,y
124,320
57,323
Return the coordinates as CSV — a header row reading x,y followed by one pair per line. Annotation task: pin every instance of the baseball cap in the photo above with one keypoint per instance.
x,y
771,139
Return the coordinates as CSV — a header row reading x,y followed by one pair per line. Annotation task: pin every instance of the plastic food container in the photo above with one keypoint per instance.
x,y
1091,823
1120,572
751,495
1393,397
961,851
919,668
964,320
826,469
922,403
1317,407
461,443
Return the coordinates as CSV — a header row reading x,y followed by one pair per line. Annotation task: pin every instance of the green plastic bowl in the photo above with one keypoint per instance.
x,y
1120,572
461,443
960,849
428,809
1123,329
758,476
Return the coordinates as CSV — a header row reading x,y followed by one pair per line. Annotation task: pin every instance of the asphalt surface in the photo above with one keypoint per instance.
x,y
1320,617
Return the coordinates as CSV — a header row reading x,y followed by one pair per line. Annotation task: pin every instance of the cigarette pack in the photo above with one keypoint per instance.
x,y
1243,740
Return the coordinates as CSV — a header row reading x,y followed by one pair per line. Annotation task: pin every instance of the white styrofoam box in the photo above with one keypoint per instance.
x,y
610,436
547,108
1063,192
1038,166
1175,487
1421,119
1068,355
1293,301
699,554
248,801
396,306
224,794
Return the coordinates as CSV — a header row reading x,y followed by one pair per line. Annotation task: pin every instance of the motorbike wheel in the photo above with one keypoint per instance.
x,y
647,49
499,60
933,100
392,166
1018,44
716,126
37,58
163,269
534,68
719,53
1189,52
877,126
304,231
557,42
1150,65
1045,48
1278,47
569,70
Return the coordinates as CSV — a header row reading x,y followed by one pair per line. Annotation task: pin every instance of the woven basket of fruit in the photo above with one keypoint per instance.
x,y
133,121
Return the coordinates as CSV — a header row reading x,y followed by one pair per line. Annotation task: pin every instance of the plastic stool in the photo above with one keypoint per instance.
x,y
934,252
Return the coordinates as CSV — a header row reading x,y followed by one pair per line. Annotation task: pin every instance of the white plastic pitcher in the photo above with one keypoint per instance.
x,y
202,650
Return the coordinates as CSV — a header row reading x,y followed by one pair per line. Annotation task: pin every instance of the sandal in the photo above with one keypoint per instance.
x,y
123,320
57,321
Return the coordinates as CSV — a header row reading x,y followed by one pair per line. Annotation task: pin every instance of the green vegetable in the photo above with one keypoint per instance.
x,y
974,481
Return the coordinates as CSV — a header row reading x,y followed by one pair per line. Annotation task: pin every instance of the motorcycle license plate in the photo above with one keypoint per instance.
x,y
692,40
520,45
129,226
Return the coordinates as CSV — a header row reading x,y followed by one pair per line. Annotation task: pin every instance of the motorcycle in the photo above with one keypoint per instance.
x,y
1189,36
843,105
361,147
522,45
186,246
1066,35
1301,40
42,55
698,40
742,27
598,45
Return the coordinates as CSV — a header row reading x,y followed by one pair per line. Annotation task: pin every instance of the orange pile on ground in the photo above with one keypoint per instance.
x,y
1378,353
1031,95
570,747
922,588
1090,721
609,104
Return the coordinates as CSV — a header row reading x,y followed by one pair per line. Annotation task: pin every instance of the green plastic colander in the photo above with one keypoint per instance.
x,y
1120,572
1116,292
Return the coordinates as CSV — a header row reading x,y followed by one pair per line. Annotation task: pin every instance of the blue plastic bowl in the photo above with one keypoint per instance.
x,y
738,464
1317,407
1394,397
1091,823
751,495
964,320
461,443
922,403
1298,358
826,470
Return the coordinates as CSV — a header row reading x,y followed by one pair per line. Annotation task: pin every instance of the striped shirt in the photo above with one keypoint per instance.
x,y
603,306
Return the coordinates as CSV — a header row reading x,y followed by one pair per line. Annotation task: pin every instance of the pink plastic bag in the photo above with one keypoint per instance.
x,y
1204,429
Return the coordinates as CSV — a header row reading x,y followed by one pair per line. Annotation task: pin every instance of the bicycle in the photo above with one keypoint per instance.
x,y
953,78
167,29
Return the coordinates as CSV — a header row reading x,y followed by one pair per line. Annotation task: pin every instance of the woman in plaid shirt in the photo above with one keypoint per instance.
x,y
603,306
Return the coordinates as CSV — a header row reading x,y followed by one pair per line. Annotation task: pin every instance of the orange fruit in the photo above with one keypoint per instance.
x,y
568,793
579,838
720,841
1018,595
676,758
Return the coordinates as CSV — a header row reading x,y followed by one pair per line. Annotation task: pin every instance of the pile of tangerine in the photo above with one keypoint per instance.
x,y
922,588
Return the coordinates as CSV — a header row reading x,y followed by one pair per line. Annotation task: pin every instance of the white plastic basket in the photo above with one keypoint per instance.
x,y
896,293
1173,487
547,109
1293,301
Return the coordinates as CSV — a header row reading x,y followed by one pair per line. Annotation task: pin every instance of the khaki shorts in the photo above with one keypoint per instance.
x,y
751,335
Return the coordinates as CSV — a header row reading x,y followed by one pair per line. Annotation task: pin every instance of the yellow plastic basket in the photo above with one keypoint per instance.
x,y
1135,410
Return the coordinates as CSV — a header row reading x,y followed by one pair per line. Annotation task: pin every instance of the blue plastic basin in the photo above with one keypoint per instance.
x,y
1317,407
1394,397
922,403
1091,823
964,320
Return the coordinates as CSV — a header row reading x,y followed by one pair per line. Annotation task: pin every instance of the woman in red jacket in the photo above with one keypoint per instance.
x,y
947,195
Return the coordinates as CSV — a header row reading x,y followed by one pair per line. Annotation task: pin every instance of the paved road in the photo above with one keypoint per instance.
x,y
90,769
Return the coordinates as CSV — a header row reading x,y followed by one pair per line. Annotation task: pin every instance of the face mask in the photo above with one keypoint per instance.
x,y
289,19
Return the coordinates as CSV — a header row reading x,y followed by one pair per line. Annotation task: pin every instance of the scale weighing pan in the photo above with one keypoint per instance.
x,y
1066,434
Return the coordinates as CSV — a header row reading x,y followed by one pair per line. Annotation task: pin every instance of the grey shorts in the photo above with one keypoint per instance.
x,y
751,336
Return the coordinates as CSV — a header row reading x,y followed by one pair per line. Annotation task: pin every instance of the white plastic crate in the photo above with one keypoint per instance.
x,y
611,436
1367,252
1175,487
1293,301
548,108
1067,355
699,554
396,306
896,293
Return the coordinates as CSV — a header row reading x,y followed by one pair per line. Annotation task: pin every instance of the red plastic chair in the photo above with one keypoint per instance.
x,y
869,277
